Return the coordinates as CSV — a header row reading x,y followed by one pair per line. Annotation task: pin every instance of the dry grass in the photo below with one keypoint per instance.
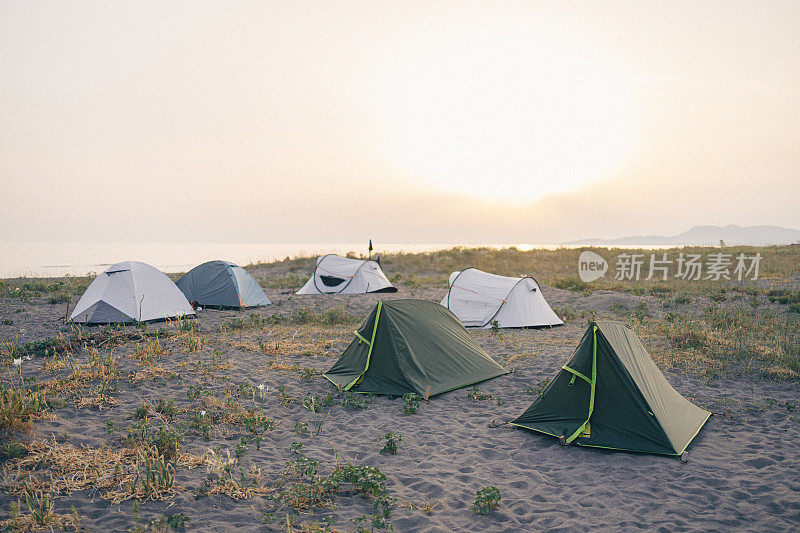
x,y
150,373
241,487
148,350
19,407
40,515
58,469
559,267
721,340
82,375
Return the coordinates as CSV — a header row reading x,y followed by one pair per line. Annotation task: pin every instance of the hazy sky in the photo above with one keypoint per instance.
x,y
400,121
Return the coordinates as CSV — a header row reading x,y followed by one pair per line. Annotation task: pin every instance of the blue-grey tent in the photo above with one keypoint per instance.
x,y
222,284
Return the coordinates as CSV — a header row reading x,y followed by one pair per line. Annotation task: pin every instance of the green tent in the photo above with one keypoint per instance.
x,y
612,395
412,346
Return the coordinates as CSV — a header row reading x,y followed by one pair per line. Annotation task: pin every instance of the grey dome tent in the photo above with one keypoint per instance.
x,y
411,346
611,395
479,299
222,284
343,275
130,292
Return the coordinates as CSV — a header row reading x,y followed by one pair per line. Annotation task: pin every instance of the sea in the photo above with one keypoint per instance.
x,y
56,259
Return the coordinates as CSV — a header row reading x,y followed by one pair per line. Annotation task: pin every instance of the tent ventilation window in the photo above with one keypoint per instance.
x,y
331,281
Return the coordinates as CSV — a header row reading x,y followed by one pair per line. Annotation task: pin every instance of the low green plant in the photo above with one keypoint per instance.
x,y
301,467
368,523
307,374
390,441
683,298
12,450
19,407
166,407
486,499
719,295
254,421
411,403
165,442
283,396
477,394
202,424
317,403
59,298
177,521
351,400
240,450
41,508
154,476
141,412
572,284
186,324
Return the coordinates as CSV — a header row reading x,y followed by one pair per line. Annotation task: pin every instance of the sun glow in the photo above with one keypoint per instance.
x,y
511,117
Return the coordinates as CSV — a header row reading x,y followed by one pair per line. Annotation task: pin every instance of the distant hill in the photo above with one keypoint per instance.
x,y
709,236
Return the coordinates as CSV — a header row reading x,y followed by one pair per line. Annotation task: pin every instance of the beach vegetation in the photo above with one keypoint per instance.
x,y
390,442
411,403
486,499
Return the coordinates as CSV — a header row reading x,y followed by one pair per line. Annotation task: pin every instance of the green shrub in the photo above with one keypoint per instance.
x,y
166,407
19,407
12,450
316,403
572,284
351,400
59,298
411,403
166,442
486,499
390,443
476,394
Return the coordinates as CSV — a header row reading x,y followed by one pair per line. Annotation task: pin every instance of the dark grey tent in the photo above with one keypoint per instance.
x,y
611,395
412,346
222,284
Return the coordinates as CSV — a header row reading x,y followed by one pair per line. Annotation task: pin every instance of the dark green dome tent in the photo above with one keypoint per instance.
x,y
222,284
612,395
412,346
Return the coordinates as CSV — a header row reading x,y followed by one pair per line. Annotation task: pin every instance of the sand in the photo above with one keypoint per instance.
x,y
742,469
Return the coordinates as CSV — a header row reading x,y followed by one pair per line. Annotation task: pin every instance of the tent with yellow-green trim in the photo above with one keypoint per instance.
x,y
412,346
611,395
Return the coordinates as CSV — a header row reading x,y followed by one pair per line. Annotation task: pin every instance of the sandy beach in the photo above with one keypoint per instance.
x,y
740,474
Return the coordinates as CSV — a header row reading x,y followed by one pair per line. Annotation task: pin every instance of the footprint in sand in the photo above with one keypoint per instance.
x,y
760,462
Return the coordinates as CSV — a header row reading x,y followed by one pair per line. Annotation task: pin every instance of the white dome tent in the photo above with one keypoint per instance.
x,y
479,298
334,274
130,292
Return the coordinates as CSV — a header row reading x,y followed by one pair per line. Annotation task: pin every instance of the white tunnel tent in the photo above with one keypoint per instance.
x,y
479,298
334,274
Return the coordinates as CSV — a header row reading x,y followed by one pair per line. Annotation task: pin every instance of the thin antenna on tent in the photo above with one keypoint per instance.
x,y
140,308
